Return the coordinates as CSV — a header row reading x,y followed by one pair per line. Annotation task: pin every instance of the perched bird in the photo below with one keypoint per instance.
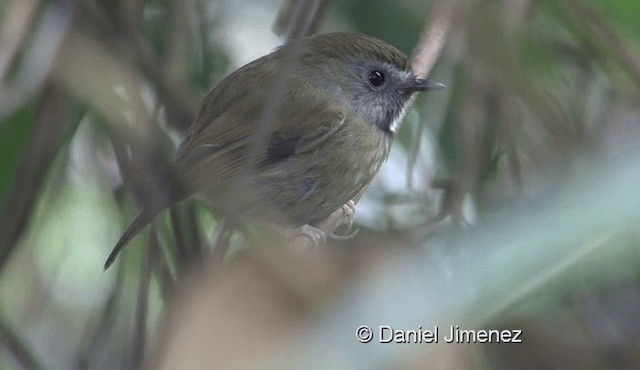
x,y
295,135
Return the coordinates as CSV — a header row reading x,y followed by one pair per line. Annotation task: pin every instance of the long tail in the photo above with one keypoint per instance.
x,y
134,228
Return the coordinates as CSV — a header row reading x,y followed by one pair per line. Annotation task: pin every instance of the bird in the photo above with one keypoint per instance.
x,y
294,135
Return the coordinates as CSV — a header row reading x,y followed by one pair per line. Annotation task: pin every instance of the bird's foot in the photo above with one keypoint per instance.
x,y
312,235
348,210
316,236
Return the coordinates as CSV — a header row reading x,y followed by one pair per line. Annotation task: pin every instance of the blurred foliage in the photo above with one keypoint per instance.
x,y
519,209
622,14
13,134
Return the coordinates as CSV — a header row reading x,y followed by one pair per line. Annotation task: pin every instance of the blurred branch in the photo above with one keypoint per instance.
x,y
17,347
181,39
425,54
544,276
38,58
96,338
16,24
591,27
431,42
82,60
116,32
49,128
516,13
221,240
299,19
174,93
138,349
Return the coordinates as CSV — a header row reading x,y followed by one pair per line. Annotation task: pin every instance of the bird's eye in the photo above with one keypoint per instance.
x,y
376,78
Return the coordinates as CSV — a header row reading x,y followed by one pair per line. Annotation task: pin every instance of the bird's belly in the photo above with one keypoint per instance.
x,y
308,187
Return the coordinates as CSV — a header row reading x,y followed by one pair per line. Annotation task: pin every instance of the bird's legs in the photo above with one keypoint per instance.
x,y
317,234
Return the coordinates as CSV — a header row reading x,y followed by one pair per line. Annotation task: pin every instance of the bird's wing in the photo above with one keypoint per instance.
x,y
220,151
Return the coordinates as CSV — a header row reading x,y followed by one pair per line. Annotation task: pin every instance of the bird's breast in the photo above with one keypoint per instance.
x,y
307,187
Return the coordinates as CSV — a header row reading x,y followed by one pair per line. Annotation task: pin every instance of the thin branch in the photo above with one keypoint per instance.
x,y
431,42
424,57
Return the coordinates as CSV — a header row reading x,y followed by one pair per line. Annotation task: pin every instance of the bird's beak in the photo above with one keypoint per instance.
x,y
423,84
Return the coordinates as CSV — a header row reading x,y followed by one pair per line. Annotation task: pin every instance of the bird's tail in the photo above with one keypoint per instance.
x,y
134,228
171,194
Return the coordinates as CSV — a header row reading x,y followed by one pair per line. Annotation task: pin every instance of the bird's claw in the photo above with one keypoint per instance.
x,y
348,210
316,236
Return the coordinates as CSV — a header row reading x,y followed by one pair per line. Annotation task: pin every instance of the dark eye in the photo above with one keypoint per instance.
x,y
376,78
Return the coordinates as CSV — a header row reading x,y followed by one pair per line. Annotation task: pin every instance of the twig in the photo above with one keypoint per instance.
x,y
431,42
425,54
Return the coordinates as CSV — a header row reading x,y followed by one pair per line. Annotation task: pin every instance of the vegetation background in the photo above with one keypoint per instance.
x,y
510,200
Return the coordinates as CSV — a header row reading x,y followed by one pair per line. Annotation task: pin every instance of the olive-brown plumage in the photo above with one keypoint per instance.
x,y
295,135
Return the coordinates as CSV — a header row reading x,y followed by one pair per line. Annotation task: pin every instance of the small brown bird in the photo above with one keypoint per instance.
x,y
295,135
